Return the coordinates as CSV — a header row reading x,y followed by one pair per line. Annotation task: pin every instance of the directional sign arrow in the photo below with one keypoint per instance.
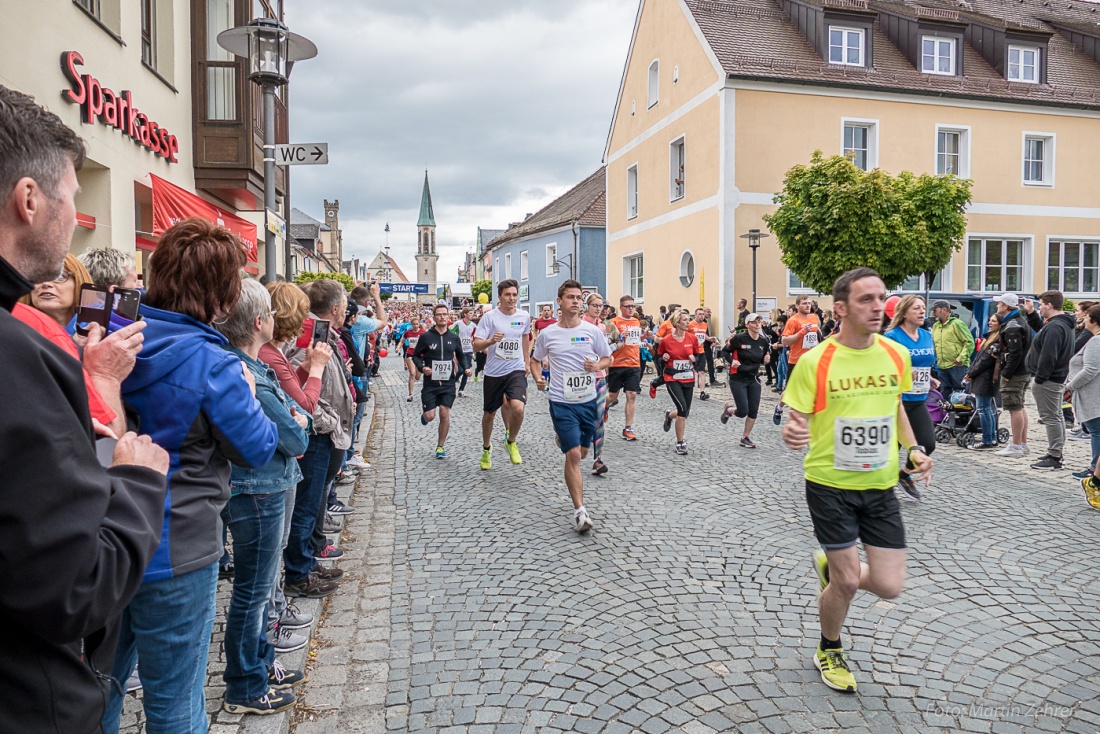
x,y
299,154
318,153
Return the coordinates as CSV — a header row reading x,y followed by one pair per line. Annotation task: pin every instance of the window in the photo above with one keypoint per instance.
x,y
860,143
507,265
1023,64
676,170
523,265
938,55
687,268
654,93
917,282
953,151
633,282
497,270
92,6
552,259
1073,267
994,265
795,284
845,46
149,32
632,192
221,67
1038,159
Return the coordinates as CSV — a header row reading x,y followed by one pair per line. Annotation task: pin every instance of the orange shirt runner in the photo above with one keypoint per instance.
x,y
699,330
630,331
809,339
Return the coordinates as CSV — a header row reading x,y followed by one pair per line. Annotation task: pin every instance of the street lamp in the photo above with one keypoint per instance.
x,y
271,51
562,262
754,236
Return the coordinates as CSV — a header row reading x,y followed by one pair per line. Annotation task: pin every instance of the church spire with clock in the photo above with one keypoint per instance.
x,y
426,256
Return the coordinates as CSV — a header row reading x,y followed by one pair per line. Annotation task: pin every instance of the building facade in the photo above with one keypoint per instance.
x,y
316,245
719,99
482,260
565,239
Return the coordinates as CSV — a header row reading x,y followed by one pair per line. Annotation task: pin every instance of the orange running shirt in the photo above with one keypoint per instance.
x,y
630,331
808,340
699,331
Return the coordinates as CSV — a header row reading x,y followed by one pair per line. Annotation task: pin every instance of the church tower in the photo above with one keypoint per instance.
x,y
426,256
335,249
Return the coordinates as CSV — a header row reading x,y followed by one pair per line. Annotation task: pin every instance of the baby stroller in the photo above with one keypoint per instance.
x,y
958,418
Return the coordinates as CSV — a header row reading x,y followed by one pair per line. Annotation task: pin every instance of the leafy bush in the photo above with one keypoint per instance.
x,y
308,276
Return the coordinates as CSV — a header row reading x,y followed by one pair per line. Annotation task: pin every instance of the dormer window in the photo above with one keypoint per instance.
x,y
1023,64
938,55
846,46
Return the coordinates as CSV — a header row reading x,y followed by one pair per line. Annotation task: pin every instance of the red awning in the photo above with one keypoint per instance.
x,y
171,204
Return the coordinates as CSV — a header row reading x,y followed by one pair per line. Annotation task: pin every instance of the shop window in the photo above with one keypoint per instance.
x,y
1073,267
994,265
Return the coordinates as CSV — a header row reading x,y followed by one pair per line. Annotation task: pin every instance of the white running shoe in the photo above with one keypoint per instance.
x,y
358,462
584,522
1010,450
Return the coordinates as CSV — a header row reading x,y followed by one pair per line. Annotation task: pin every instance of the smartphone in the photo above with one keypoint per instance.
x,y
303,340
95,307
320,331
128,303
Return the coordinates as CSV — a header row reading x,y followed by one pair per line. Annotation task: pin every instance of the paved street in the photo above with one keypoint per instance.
x,y
472,606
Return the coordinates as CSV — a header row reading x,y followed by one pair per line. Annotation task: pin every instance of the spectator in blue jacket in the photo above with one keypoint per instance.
x,y
197,401
254,516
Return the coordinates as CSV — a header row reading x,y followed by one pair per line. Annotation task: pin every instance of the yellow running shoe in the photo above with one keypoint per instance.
x,y
513,452
821,567
1092,491
834,670
486,459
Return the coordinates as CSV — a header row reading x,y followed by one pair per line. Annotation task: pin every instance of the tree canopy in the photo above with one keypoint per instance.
x,y
308,276
482,286
834,217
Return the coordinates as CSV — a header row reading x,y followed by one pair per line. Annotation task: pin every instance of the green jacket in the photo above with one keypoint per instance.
x,y
954,343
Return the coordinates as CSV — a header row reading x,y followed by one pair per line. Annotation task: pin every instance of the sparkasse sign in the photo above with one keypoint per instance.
x,y
115,109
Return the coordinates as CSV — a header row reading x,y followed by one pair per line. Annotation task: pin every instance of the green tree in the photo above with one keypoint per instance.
x,y
482,286
308,276
833,217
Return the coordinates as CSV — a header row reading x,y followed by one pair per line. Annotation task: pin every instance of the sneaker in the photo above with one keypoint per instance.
x,y
727,411
476,378
1048,462
313,587
133,683
703,395
983,447
272,702
668,421
1010,450
344,479
294,618
423,420
777,415
461,394
1083,474
513,452
285,640
330,553
629,435
357,462
598,468
821,568
332,524
910,488
1026,449
225,571
339,508
746,443
681,449
1079,435
1092,492
835,672
327,573
653,389
440,452
409,399
583,521
282,679
486,459
613,403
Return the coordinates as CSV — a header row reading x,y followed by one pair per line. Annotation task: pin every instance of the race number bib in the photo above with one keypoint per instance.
x,y
809,341
683,369
442,371
863,444
412,342
467,343
701,336
579,387
633,337
922,381
509,347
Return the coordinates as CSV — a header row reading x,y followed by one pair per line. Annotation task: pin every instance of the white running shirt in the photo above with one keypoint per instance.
x,y
466,335
567,350
506,356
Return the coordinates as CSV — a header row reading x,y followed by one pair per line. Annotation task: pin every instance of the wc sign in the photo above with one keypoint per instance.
x,y
301,154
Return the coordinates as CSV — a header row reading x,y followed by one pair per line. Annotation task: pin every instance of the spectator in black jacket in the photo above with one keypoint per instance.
x,y
1048,361
1015,378
74,537
984,380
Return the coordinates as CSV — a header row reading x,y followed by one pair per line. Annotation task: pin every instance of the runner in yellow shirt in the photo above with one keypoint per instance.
x,y
846,407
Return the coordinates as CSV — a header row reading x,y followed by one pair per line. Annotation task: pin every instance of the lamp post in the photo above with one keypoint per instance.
x,y
562,262
754,236
271,50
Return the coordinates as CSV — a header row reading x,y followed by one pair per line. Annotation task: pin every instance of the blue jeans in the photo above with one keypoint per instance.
x,y
951,380
988,416
309,494
277,601
256,524
168,624
1093,427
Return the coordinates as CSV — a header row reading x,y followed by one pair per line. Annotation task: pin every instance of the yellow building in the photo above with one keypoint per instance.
x,y
719,99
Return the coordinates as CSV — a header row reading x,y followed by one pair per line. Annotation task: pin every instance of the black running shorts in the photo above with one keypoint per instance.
x,y
843,516
624,378
433,397
513,385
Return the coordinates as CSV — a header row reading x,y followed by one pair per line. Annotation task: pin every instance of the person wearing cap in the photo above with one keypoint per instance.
x,y
1015,378
954,345
745,353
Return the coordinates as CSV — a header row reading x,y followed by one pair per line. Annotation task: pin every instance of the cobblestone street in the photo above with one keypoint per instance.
x,y
471,605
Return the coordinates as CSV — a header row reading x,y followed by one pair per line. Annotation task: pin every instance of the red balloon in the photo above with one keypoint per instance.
x,y
382,353
891,305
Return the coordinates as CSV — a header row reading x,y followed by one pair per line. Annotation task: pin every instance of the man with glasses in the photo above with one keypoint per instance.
x,y
626,366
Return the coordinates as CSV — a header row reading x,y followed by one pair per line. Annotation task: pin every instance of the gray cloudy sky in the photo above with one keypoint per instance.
x,y
506,102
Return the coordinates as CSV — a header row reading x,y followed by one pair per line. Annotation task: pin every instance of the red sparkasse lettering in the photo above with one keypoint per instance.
x,y
69,61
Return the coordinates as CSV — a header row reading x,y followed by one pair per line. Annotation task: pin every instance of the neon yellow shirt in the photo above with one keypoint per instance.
x,y
851,397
